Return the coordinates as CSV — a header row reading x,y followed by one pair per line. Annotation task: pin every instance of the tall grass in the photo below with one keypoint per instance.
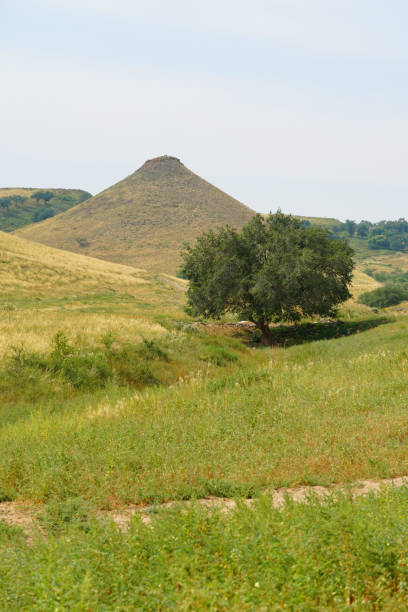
x,y
315,413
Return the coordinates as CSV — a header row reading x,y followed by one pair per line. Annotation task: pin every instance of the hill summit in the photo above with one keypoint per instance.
x,y
144,219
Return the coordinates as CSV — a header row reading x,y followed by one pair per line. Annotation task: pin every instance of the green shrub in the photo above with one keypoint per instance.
x,y
218,355
83,368
43,213
149,349
390,295
256,336
86,371
135,374
7,494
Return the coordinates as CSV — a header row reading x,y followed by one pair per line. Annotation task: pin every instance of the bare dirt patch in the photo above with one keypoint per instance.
x,y
25,515
123,517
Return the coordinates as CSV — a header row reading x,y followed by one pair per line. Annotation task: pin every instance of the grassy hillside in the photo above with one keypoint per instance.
x,y
45,290
78,326
18,207
144,219
110,398
324,221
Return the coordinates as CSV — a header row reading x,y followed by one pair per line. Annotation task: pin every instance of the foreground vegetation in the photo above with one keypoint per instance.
x,y
323,555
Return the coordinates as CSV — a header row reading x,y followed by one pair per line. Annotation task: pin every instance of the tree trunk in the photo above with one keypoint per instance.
x,y
267,339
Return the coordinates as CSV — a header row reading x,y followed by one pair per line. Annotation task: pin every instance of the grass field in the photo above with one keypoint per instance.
x,y
109,397
299,418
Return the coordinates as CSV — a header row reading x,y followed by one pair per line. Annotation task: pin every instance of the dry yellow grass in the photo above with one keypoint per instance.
x,y
29,268
362,282
388,262
35,329
45,290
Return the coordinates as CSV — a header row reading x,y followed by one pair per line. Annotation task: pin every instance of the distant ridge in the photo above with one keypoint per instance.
x,y
144,219
20,206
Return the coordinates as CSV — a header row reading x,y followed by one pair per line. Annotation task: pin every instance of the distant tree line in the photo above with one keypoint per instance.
x,y
48,203
388,235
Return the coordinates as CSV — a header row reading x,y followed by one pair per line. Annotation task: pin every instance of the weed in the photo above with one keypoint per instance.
x,y
151,350
7,494
58,515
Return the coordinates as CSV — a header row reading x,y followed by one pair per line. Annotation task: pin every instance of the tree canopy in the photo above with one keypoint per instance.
x,y
274,269
46,196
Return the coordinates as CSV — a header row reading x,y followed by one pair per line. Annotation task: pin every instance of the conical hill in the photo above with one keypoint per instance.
x,y
144,219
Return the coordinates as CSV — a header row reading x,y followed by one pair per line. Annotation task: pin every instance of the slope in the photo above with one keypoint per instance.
x,y
45,290
22,206
144,219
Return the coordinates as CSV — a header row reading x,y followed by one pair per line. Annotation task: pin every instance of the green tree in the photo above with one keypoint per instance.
x,y
378,241
350,227
274,269
43,213
389,295
45,196
5,202
363,228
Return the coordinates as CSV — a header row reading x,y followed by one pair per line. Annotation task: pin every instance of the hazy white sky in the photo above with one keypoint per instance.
x,y
300,104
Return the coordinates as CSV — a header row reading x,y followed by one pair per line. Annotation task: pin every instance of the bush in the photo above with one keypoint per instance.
x,y
149,349
45,212
378,241
134,374
218,356
390,295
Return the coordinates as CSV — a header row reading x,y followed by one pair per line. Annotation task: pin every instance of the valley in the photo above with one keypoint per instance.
x,y
113,398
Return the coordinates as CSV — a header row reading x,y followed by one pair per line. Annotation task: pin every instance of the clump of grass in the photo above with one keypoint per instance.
x,y
151,350
57,516
7,494
218,355
11,535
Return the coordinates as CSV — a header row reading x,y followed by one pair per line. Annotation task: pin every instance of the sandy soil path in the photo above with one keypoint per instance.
x,y
24,515
123,516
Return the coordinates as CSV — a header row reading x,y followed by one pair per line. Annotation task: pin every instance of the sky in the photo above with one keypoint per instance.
x,y
294,104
